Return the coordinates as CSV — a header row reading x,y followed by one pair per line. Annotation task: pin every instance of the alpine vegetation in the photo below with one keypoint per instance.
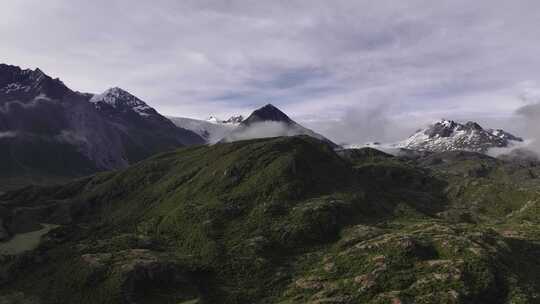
x,y
270,152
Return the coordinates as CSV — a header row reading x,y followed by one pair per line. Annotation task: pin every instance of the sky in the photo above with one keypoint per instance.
x,y
354,70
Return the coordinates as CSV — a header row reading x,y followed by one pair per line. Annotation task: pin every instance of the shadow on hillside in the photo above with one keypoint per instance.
x,y
524,265
395,185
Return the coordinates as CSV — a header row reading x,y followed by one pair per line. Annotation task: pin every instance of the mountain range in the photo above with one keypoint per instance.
x,y
149,209
50,131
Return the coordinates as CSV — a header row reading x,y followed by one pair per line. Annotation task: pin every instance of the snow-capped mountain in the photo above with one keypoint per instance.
x,y
234,120
448,135
212,130
144,131
269,121
16,83
43,117
118,98
75,133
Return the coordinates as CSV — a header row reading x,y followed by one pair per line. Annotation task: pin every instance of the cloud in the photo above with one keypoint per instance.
x,y
514,150
316,59
372,124
65,136
520,155
529,116
525,122
7,134
7,106
262,130
71,137
530,112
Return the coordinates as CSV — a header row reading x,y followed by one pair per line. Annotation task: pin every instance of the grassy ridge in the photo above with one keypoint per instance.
x,y
281,220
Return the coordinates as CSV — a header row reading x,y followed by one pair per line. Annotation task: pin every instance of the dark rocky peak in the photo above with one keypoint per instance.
x,y
473,125
443,128
268,113
451,127
20,84
447,128
10,74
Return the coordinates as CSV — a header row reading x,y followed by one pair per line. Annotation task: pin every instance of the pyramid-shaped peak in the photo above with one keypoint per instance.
x,y
269,106
268,113
121,99
116,95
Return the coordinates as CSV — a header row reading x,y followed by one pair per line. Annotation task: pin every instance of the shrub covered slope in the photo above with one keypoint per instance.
x,y
281,220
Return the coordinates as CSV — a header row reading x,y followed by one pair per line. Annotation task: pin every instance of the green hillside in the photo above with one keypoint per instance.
x,y
280,220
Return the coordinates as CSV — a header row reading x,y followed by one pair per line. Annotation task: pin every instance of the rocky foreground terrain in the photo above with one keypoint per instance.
x,y
280,220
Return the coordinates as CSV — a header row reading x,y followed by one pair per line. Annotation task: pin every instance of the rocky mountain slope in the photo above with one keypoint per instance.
x,y
49,132
143,131
281,220
448,135
270,121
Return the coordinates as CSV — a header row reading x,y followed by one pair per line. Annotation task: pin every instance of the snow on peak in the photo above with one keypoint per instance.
x,y
24,81
233,120
447,135
447,123
116,97
213,119
15,87
211,130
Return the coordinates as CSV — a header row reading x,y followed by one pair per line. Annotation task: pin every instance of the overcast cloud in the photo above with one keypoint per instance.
x,y
393,65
